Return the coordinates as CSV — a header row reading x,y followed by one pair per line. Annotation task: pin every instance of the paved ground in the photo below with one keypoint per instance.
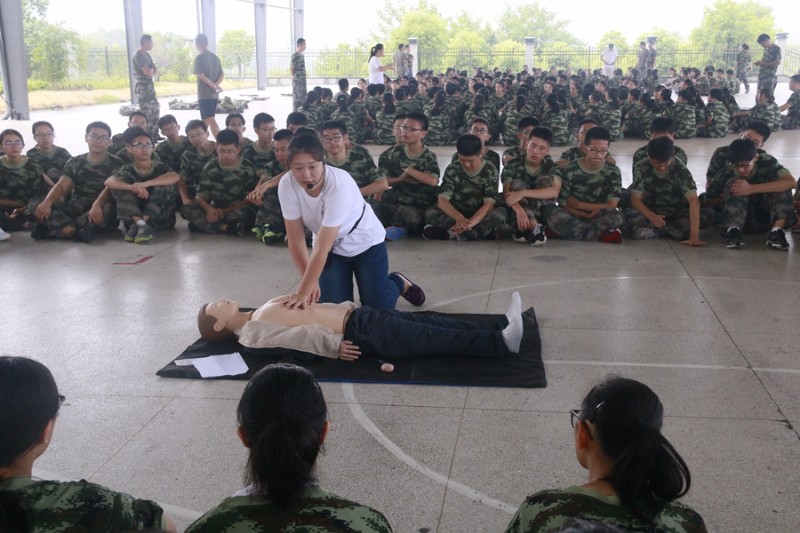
x,y
713,331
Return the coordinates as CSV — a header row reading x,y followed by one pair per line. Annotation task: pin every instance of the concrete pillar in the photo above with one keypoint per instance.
x,y
15,70
530,50
209,28
260,14
413,44
133,31
780,40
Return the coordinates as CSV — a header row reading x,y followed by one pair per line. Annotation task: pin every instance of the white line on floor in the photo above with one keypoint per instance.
x,y
676,365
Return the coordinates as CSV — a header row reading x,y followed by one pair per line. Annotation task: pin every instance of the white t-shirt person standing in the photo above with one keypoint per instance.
x,y
609,57
376,69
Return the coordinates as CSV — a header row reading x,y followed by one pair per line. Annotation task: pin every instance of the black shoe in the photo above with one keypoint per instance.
x,y
432,233
734,238
777,240
193,228
236,230
85,234
40,231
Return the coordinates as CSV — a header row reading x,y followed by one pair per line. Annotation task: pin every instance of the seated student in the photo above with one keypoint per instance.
x,y
718,117
361,167
385,121
792,106
283,422
343,113
608,112
635,474
511,117
221,204
413,173
590,192
466,206
326,105
21,183
524,127
236,122
765,110
439,127
296,120
576,152
171,149
201,151
30,404
684,116
260,153
362,121
557,120
756,193
135,119
143,211
90,207
269,227
530,182
312,110
480,128
346,331
664,198
660,127
756,131
50,157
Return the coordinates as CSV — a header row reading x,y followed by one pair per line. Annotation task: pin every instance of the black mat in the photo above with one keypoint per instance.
x,y
523,370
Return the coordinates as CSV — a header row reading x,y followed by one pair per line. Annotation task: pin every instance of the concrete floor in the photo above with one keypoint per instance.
x,y
712,331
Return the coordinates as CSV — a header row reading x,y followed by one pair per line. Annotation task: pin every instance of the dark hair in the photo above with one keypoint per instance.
x,y
227,137
419,117
761,38
666,95
205,325
140,113
341,102
282,134
343,84
597,133
144,38
388,103
29,400
716,94
745,46
355,94
306,144
374,50
661,149
297,117
647,472
552,102
439,103
305,130
11,132
543,133
524,122
469,145
588,120
662,124
232,116
195,123
400,94
262,118
98,125
201,39
795,78
334,125
742,150
300,41
132,133
372,89
166,119
282,414
41,123
760,127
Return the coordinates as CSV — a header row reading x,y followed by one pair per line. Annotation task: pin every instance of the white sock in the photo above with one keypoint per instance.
x,y
512,334
141,223
777,229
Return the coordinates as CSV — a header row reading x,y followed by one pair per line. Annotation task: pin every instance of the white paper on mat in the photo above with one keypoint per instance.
x,y
213,366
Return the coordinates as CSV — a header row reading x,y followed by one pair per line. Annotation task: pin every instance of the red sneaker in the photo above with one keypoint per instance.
x,y
613,236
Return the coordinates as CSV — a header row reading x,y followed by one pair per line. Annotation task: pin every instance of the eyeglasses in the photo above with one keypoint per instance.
x,y
227,151
408,128
13,143
601,151
332,139
745,164
193,136
143,146
479,131
575,414
98,138
44,135
266,130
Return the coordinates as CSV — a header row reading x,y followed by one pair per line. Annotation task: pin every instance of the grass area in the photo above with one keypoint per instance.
x,y
63,99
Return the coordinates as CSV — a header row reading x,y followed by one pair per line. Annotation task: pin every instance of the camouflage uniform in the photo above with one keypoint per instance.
x,y
559,125
571,154
269,212
348,118
518,177
192,163
768,113
406,107
593,187
117,144
510,122
373,105
491,156
551,510
298,80
405,203
384,133
610,119
438,128
81,506
742,68
767,76
221,188
685,120
20,183
172,155
757,212
361,129
260,160
468,193
703,85
361,167
315,116
52,164
720,119
159,207
89,182
319,511
792,119
641,155
665,195
145,91
719,160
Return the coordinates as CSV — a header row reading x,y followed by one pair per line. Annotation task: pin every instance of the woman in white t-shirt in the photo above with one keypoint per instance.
x,y
348,237
376,69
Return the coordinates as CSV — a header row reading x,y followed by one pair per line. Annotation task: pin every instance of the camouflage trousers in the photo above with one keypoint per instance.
x,y
148,104
533,208
757,212
197,218
269,212
493,220
68,213
299,92
158,209
790,122
581,229
404,216
741,75
677,226
767,82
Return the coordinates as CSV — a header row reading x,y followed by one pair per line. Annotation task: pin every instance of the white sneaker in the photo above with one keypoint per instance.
x,y
4,236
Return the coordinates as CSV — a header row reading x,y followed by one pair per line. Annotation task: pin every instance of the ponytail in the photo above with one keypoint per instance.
x,y
388,104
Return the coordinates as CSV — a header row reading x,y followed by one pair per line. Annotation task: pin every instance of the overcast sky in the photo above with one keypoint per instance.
x,y
328,23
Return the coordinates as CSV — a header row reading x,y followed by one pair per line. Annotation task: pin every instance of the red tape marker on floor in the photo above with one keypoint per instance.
x,y
139,262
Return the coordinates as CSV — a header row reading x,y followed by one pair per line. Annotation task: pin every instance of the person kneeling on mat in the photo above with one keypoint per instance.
x,y
346,331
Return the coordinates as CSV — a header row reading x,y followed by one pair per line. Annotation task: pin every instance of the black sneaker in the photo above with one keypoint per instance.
x,y
236,230
777,240
40,231
85,234
734,238
538,237
432,233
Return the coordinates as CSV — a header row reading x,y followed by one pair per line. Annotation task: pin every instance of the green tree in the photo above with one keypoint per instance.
x,y
508,54
464,22
670,46
726,25
53,49
345,60
173,57
466,49
534,20
430,28
236,49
